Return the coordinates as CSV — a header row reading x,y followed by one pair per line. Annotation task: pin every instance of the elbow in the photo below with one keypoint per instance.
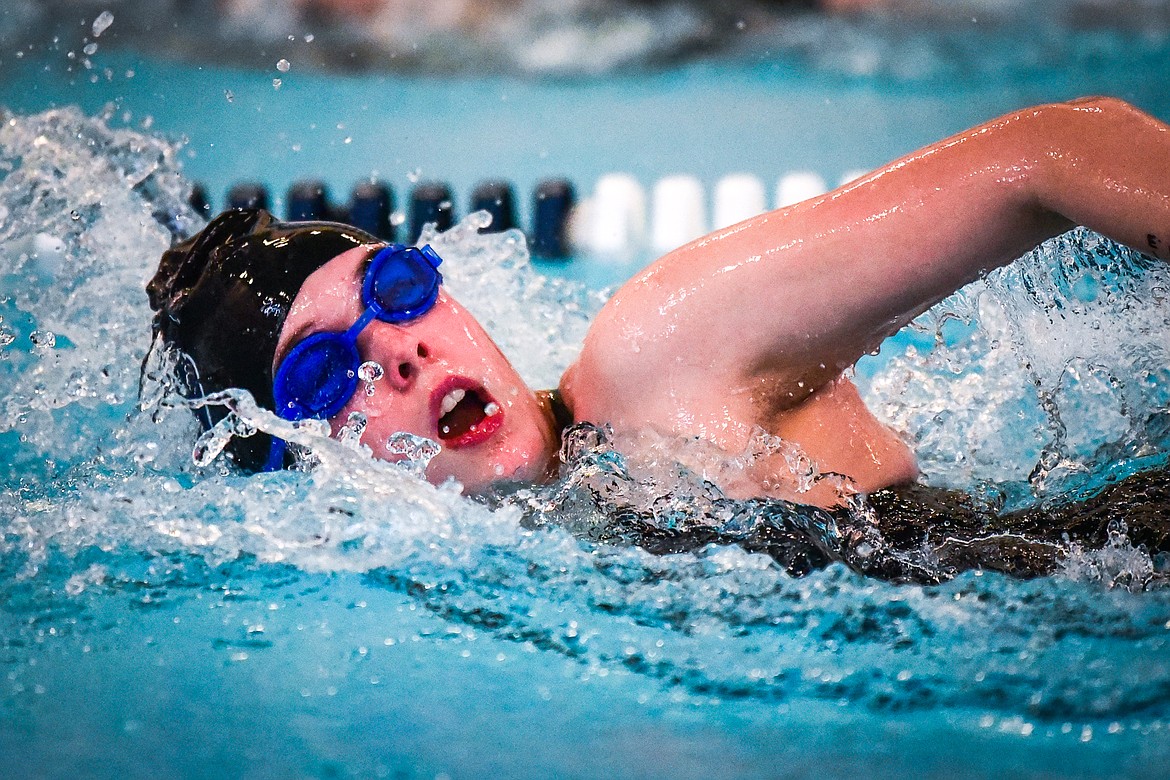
x,y
1086,120
1064,143
1073,123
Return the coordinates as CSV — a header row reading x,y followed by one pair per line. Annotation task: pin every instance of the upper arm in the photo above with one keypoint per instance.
x,y
801,293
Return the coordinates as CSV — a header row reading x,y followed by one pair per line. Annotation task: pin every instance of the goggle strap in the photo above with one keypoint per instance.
x,y
276,451
431,255
355,330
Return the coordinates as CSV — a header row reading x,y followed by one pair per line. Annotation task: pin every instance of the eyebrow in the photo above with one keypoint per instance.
x,y
305,329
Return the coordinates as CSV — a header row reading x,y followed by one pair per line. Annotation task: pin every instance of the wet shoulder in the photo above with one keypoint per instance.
x,y
628,352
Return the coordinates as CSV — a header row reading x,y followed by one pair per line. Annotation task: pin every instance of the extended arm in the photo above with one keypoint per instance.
x,y
801,293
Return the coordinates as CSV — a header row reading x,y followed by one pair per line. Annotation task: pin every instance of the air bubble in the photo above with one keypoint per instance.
x,y
90,49
283,65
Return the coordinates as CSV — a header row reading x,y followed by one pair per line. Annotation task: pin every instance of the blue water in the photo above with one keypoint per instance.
x,y
160,619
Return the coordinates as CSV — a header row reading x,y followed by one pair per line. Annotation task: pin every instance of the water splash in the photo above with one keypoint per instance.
x,y
1066,344
635,559
416,452
355,426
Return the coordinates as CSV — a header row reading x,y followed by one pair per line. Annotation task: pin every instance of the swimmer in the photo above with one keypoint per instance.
x,y
753,326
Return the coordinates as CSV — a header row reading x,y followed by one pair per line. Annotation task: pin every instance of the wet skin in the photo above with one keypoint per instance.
x,y
753,326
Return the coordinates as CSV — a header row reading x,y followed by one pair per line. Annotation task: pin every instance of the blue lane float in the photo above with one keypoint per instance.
x,y
496,198
618,218
430,202
552,205
248,195
308,200
371,205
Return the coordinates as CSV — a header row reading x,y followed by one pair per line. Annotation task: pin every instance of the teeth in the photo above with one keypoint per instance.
x,y
451,400
491,408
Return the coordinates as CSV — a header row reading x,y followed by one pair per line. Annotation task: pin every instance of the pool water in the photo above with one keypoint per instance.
x,y
165,618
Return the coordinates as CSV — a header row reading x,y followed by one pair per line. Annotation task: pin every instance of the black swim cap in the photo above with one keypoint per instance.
x,y
221,298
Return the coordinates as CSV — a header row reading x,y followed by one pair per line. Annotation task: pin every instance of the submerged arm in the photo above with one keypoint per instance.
x,y
800,294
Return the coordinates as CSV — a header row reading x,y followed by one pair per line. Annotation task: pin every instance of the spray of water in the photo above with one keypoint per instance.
x,y
1064,344
635,558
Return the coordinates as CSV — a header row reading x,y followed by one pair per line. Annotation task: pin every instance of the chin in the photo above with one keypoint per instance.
x,y
524,463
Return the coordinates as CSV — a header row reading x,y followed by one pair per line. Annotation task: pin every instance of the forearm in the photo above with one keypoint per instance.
x,y
867,259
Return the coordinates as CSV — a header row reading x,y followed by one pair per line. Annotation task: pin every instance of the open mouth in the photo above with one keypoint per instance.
x,y
467,415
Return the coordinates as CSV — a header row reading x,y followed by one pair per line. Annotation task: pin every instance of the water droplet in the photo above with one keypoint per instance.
x,y
371,371
309,38
276,83
283,65
355,426
102,23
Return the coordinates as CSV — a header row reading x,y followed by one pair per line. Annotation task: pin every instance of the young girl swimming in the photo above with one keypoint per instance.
x,y
749,327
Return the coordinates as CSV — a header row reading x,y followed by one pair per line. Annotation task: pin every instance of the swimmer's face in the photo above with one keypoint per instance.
x,y
444,379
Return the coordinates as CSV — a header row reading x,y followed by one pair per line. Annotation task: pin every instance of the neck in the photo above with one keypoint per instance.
x,y
559,417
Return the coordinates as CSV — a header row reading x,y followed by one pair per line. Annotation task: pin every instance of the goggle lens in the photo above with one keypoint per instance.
x,y
401,285
318,379
319,374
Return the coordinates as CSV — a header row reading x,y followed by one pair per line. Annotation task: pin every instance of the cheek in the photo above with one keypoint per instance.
x,y
383,417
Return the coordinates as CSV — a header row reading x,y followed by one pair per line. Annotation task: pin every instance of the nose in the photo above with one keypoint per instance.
x,y
399,353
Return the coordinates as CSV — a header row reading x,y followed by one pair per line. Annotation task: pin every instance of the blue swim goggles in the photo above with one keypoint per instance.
x,y
320,374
